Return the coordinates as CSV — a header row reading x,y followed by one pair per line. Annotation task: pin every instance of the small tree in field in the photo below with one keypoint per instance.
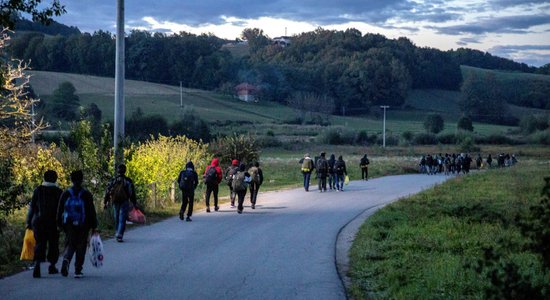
x,y
434,123
465,123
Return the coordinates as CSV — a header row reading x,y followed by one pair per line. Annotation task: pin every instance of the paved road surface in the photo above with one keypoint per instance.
x,y
285,249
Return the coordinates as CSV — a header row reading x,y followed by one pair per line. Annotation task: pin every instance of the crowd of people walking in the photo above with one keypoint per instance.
x,y
461,163
332,170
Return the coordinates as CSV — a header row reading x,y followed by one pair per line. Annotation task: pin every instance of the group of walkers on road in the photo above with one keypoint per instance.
x,y
238,178
332,171
460,163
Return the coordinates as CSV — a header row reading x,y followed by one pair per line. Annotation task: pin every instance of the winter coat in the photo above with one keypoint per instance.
x,y
90,219
215,164
44,205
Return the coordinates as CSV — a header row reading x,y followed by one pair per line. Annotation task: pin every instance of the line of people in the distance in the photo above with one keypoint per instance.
x,y
237,177
332,171
460,163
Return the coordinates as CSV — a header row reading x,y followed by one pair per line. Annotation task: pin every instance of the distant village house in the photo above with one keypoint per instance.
x,y
282,41
246,92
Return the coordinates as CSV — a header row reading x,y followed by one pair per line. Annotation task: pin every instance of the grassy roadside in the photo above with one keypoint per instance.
x,y
419,247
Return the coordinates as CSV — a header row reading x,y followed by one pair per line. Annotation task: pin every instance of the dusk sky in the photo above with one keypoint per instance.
x,y
516,29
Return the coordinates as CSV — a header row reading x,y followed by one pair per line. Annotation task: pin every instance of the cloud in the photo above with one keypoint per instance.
x,y
535,55
506,24
469,40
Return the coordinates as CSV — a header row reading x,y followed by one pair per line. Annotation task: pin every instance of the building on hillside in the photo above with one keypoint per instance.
x,y
246,92
282,41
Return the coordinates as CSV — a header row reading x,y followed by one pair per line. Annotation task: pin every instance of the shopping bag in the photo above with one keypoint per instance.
x,y
136,216
27,253
96,251
346,180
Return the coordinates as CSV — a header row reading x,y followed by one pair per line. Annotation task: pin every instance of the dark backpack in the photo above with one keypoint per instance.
x,y
339,167
119,193
229,174
186,180
74,212
211,175
238,182
322,166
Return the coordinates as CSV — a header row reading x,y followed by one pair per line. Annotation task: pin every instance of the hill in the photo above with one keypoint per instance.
x,y
226,113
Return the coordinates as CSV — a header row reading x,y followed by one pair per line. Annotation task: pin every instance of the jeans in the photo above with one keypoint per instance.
x,y
46,238
209,189
340,182
322,182
240,196
364,173
76,241
188,198
254,187
307,177
121,215
332,181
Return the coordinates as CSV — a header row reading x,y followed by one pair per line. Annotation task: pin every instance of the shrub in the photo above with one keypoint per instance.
x,y
390,140
467,145
496,139
192,127
424,139
434,123
140,127
362,138
337,136
243,147
269,141
541,137
31,163
447,139
408,136
530,124
465,123
160,160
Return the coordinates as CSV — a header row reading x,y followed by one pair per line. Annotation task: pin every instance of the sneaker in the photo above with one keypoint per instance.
x,y
36,271
52,270
216,208
208,209
181,215
232,205
78,274
239,211
119,239
188,219
253,206
65,268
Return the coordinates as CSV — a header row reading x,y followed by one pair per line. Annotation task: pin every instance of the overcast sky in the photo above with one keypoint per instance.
x,y
516,29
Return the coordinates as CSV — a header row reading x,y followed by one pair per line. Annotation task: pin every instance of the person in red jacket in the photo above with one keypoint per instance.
x,y
212,177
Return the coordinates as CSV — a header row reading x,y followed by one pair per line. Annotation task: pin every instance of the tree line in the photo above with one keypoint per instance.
x,y
350,71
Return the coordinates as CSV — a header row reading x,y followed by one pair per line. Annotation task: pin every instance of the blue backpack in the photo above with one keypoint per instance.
x,y
74,213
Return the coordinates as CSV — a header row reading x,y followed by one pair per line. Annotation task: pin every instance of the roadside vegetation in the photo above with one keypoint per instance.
x,y
478,236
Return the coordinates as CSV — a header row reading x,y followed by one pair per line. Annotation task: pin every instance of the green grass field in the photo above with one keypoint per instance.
x,y
164,100
419,247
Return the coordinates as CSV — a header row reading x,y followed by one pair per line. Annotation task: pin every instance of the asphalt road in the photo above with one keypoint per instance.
x,y
284,249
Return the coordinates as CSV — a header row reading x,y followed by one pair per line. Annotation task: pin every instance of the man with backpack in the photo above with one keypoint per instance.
x,y
212,177
256,179
229,173
322,172
364,165
42,219
120,192
341,172
307,168
188,181
240,183
76,215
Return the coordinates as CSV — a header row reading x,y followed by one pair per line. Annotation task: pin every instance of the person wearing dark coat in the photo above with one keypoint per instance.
x,y
42,219
188,181
241,193
331,174
341,172
213,187
255,183
322,172
76,233
364,165
121,206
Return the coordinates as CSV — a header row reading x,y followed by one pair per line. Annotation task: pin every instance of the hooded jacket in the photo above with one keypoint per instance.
x,y
44,205
215,164
190,167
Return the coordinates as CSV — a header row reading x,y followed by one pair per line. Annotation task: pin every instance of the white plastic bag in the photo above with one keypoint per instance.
x,y
96,251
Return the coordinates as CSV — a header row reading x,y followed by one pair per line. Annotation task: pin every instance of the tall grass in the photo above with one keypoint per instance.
x,y
419,247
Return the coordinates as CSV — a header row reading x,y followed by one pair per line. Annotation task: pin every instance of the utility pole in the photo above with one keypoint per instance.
x,y
384,126
181,95
119,86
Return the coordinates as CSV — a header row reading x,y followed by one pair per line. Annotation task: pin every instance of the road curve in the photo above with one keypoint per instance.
x,y
284,249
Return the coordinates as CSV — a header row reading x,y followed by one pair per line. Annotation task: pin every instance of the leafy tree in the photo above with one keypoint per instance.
x,y
465,123
64,102
244,148
434,123
39,12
